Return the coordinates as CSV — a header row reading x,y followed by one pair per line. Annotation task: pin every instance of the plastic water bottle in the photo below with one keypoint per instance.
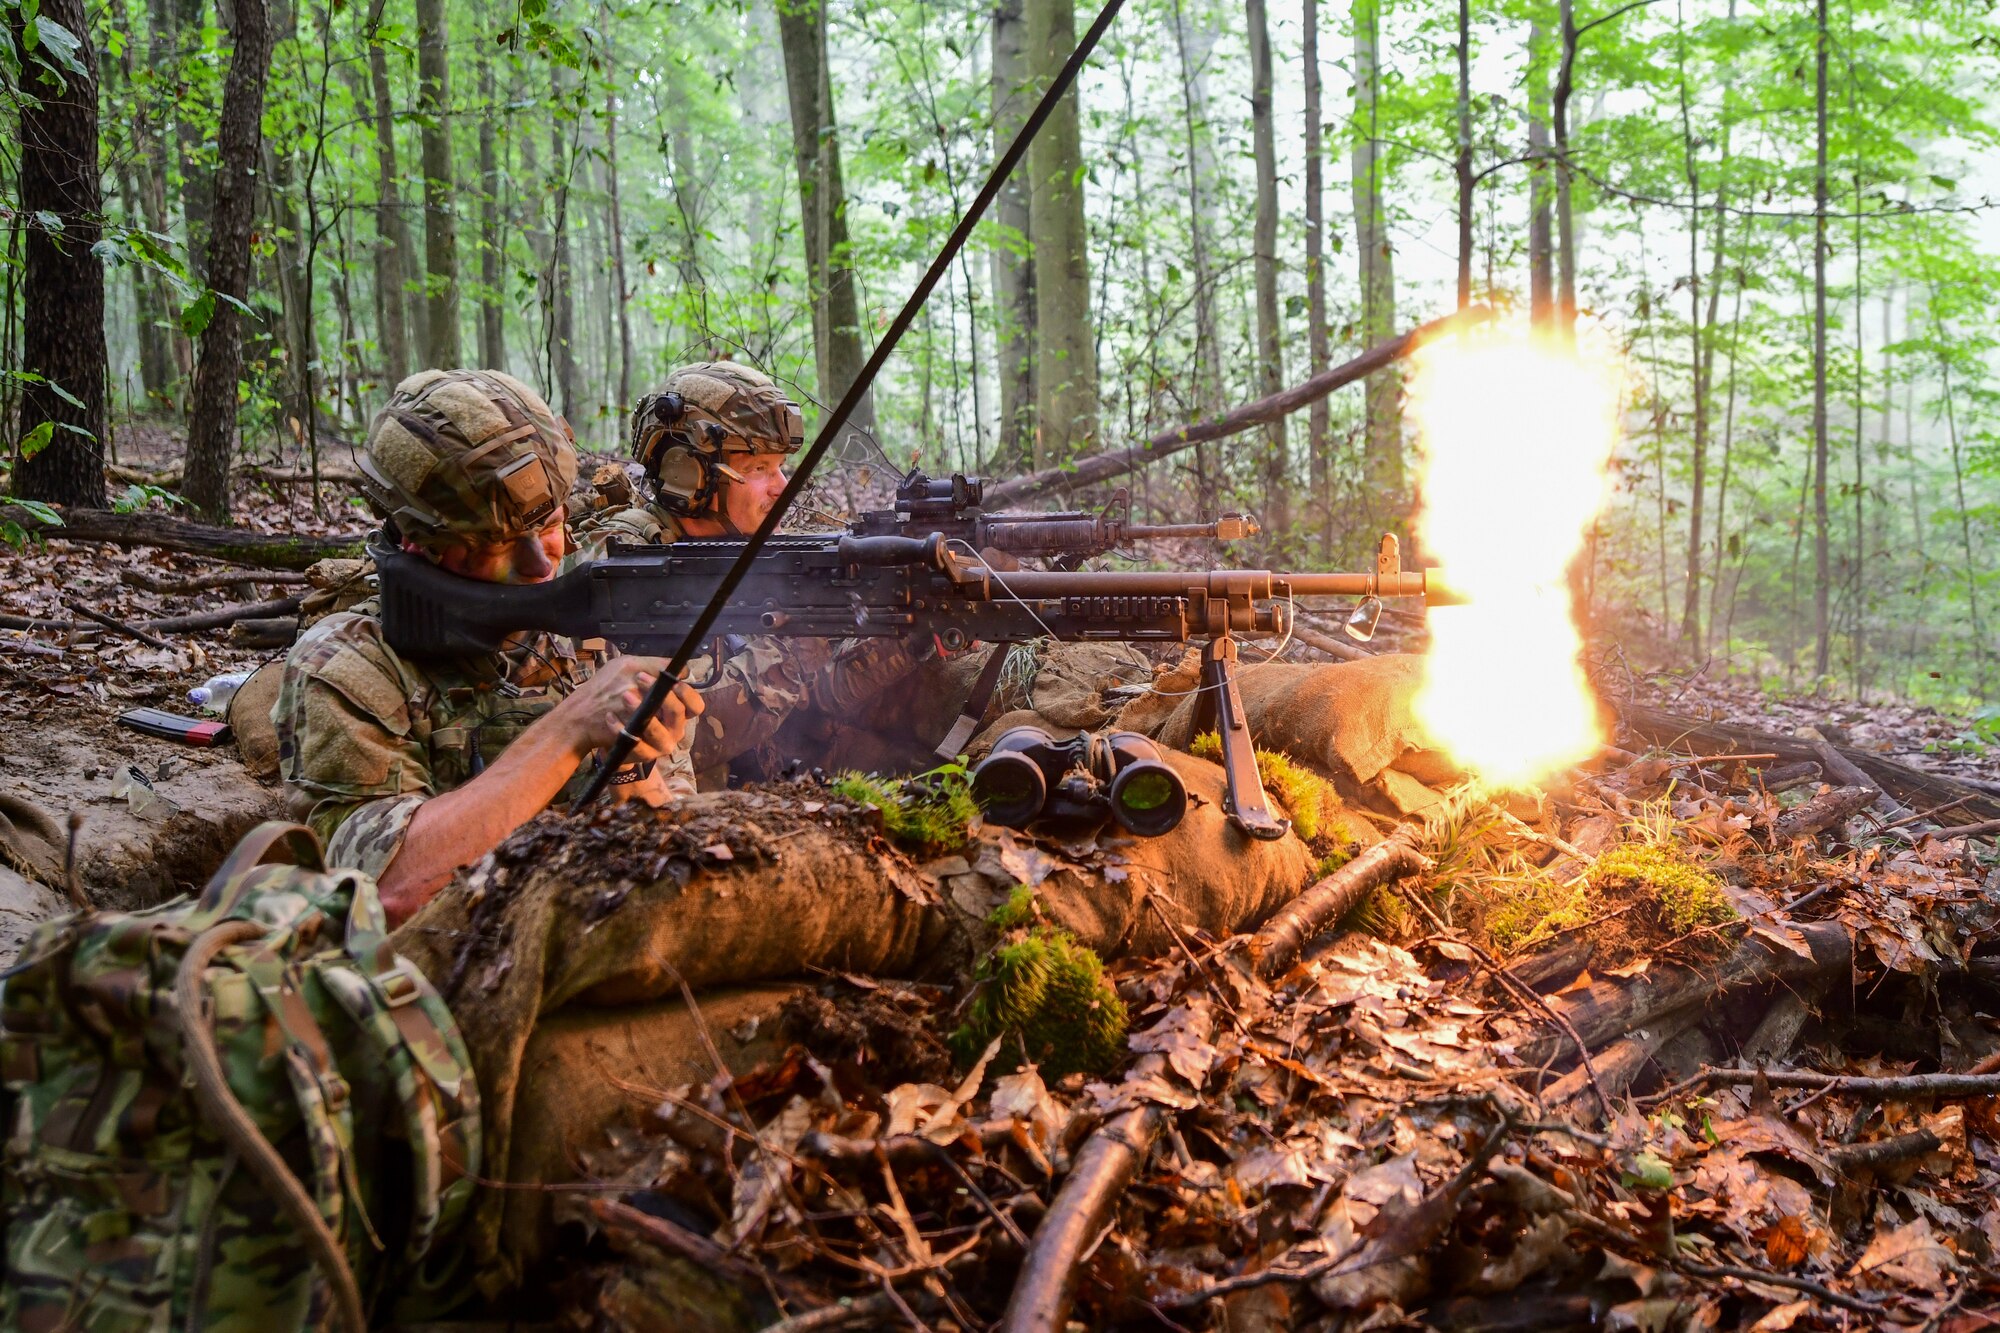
x,y
214,696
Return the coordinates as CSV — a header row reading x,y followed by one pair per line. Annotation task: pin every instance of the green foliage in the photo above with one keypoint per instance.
x,y
1046,993
1524,911
927,813
1686,896
1302,792
13,535
137,496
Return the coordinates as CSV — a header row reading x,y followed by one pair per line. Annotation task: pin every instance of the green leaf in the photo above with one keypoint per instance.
x,y
1649,1171
196,314
62,393
37,439
61,43
49,222
41,512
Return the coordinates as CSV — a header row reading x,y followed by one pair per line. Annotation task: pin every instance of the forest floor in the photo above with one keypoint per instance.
x,y
1708,1043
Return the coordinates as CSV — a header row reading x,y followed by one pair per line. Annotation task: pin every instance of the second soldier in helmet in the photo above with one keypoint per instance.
x,y
711,443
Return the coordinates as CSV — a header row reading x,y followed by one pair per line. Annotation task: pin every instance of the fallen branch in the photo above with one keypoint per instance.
x,y
1841,767
276,632
1812,817
1883,1152
225,616
626,1226
30,647
1046,1286
1101,467
1912,786
1278,942
139,578
119,626
1608,1009
1326,643
1620,1063
1897,1087
905,1150
1981,829
270,550
1804,1284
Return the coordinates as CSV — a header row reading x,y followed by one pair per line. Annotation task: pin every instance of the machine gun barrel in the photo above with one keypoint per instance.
x,y
1258,584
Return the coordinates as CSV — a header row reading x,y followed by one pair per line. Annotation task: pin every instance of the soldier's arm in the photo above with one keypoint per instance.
x,y
460,826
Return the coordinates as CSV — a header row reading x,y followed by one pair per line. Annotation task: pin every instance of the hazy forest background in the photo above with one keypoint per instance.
x,y
246,219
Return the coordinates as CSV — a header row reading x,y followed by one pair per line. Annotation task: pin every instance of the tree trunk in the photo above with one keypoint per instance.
x,y
218,365
158,325
197,177
1317,349
492,310
1565,219
1065,363
621,293
1462,162
1822,625
62,289
149,312
1384,446
441,345
1013,261
1858,582
1541,197
1698,364
1270,331
1194,45
561,295
392,233
837,342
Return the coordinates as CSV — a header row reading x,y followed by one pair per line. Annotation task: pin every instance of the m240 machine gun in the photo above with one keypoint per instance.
x,y
953,506
647,599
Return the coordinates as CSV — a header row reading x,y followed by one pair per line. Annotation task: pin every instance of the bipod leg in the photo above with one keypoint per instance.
x,y
1245,803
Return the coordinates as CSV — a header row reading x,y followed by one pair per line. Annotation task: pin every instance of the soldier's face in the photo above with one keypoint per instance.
x,y
530,558
745,503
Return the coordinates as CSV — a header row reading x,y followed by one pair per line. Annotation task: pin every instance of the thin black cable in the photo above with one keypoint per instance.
x,y
649,707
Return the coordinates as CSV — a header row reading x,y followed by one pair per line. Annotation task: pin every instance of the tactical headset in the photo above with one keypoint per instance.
x,y
686,477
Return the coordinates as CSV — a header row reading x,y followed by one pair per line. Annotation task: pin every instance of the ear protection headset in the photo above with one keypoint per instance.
x,y
686,473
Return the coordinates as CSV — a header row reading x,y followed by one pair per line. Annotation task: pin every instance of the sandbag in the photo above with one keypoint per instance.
x,y
250,720
621,906
1351,721
590,1071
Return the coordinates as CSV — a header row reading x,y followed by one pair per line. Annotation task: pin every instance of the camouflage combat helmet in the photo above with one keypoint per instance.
x,y
467,454
681,430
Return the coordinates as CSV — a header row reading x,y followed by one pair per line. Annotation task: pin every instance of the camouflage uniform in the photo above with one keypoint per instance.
x,y
751,686
365,736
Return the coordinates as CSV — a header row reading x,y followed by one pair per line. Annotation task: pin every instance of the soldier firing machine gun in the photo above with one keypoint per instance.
x,y
647,599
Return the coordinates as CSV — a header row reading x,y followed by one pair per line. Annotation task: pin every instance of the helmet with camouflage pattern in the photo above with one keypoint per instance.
x,y
681,430
467,455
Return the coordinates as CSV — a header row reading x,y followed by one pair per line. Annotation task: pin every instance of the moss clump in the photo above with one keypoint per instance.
x,y
1047,991
1301,791
1685,895
1532,908
927,813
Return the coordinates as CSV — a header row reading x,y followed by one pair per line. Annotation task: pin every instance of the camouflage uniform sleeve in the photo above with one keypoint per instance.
x,y
350,747
633,523
756,689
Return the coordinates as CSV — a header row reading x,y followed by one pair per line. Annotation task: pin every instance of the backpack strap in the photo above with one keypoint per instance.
x,y
272,843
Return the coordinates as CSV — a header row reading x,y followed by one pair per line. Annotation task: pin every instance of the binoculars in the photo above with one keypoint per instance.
x,y
1074,785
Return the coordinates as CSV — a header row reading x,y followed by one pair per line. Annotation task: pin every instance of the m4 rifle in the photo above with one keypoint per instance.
x,y
646,600
953,506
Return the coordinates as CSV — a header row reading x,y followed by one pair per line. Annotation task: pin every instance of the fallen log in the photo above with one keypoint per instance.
x,y
1913,786
1983,828
1106,1164
269,550
1101,467
118,626
1827,810
626,1226
1608,1009
1851,1157
275,632
1326,643
224,616
1841,767
1621,1063
1279,940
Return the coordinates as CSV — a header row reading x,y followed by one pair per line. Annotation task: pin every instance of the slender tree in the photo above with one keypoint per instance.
x,y
1373,256
1461,166
1541,195
621,294
62,289
211,443
1065,353
1270,327
1822,575
492,240
392,233
1012,261
441,340
837,345
1317,349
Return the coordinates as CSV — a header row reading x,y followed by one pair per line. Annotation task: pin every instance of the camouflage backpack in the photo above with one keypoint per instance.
x,y
237,1112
